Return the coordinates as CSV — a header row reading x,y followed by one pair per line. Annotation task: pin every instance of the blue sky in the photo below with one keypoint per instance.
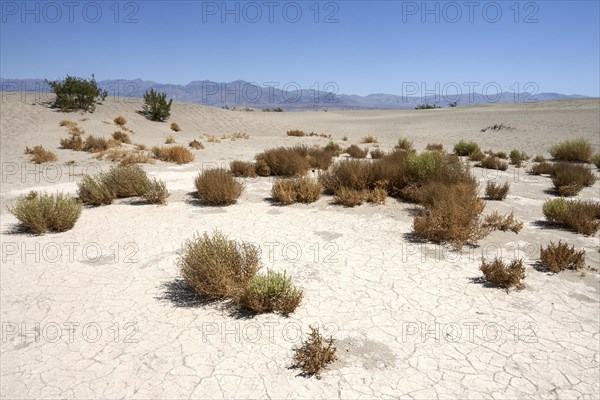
x,y
362,46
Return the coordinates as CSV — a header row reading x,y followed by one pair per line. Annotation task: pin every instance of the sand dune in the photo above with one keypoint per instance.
x,y
411,319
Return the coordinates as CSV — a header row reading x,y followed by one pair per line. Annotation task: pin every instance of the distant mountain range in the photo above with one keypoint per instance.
x,y
246,94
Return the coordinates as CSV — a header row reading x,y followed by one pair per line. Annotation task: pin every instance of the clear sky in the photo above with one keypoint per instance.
x,y
362,46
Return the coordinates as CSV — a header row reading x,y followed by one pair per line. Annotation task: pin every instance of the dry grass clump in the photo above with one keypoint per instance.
x,y
217,267
539,158
174,154
376,196
169,140
212,139
320,158
356,152
314,354
368,139
464,148
576,215
477,156
284,161
217,187
349,197
262,169
93,144
271,292
236,136
121,137
296,190
243,169
434,147
495,221
40,155
573,150
452,215
557,257
126,156
296,133
494,191
542,168
67,123
156,192
570,179
502,275
194,144
376,154
404,144
517,157
175,127
493,162
120,120
73,142
39,213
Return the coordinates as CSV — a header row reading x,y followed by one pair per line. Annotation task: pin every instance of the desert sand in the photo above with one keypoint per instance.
x,y
99,311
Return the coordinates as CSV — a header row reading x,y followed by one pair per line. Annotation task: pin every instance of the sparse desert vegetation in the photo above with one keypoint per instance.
x,y
496,221
121,137
356,152
173,154
74,93
557,257
368,139
243,169
434,147
175,127
196,145
502,275
296,190
404,144
576,215
580,150
495,191
377,154
271,292
218,187
569,179
517,157
39,213
156,107
493,162
465,148
39,155
169,140
296,133
120,120
315,353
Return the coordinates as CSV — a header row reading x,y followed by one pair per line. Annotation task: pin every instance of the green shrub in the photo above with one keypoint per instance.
x,y
75,93
94,192
404,144
217,267
272,292
576,215
433,166
217,187
517,157
126,180
156,107
464,148
573,150
570,179
539,158
39,213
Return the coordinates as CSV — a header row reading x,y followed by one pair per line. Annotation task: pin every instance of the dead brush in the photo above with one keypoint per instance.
x,y
320,158
120,120
76,130
576,215
477,156
377,154
296,190
542,168
349,174
156,192
285,161
218,187
557,257
356,152
175,127
434,147
174,154
73,142
169,140
243,169
237,136
93,144
494,191
496,221
296,133
314,354
39,155
493,162
67,123
217,267
349,197
368,139
121,137
126,156
333,148
39,213
271,292
502,275
196,145
212,139
570,179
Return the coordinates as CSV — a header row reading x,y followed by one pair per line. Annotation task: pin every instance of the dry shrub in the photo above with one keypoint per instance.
x,y
94,144
452,215
76,130
517,157
39,213
296,190
356,152
218,187
576,215
194,144
350,174
368,139
495,191
539,158
570,179
217,267
504,276
464,148
376,196
236,136
296,133
126,181
121,137
333,148
596,160
557,257
156,192
377,154
314,354
493,162
126,157
434,147
573,150
67,123
140,146
433,166
320,158
73,142
345,138
243,169
120,120
262,169
212,139
169,140
349,197
284,161
477,156
404,144
40,155
175,127
543,168
504,223
272,292
94,192
174,154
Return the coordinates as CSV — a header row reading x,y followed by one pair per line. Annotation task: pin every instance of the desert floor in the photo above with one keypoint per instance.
x,y
100,311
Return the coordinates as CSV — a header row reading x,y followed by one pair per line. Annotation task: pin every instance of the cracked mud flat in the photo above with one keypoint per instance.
x,y
412,320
